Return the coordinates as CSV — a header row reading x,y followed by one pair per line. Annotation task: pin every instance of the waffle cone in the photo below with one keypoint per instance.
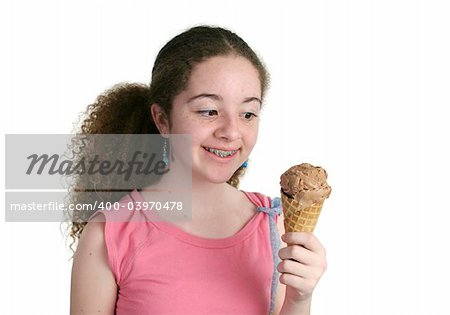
x,y
298,218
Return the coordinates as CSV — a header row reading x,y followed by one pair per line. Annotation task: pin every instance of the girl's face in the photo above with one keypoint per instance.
x,y
220,109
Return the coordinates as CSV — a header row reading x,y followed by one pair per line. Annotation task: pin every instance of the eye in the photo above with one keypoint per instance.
x,y
208,112
249,115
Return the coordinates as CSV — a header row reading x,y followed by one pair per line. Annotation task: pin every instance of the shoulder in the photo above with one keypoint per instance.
x,y
271,206
92,237
91,272
121,230
258,198
92,244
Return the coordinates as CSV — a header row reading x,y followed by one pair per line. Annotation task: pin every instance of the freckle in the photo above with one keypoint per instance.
x,y
90,253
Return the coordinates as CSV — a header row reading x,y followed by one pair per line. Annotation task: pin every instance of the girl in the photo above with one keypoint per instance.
x,y
208,83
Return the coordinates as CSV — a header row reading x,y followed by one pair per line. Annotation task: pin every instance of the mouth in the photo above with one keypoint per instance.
x,y
221,153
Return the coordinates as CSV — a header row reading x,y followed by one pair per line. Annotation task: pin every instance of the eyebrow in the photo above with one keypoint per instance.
x,y
205,95
253,99
216,97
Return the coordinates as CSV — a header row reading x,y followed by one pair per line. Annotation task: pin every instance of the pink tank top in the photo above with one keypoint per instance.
x,y
160,269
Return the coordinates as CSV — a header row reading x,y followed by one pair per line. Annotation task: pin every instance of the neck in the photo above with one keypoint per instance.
x,y
205,195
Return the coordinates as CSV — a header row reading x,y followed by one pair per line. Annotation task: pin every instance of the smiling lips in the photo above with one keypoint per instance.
x,y
221,153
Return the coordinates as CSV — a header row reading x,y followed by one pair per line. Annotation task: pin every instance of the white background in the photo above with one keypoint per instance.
x,y
358,87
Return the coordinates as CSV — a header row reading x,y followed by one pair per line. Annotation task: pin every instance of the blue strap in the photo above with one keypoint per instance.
x,y
275,209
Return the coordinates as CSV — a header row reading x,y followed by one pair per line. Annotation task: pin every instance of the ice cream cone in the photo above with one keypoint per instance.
x,y
297,217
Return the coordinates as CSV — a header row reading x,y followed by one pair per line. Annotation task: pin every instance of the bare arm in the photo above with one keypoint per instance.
x,y
93,287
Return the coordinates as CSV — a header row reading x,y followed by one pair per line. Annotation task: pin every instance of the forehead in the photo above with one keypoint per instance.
x,y
225,73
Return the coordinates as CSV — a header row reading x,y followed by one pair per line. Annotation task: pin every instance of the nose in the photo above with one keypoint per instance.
x,y
228,128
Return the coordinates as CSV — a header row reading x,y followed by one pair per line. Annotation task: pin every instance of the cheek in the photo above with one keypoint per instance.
x,y
182,124
198,136
252,137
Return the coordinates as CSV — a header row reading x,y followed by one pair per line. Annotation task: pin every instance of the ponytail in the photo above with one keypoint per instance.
x,y
122,109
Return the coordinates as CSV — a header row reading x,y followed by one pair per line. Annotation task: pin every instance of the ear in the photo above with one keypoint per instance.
x,y
160,119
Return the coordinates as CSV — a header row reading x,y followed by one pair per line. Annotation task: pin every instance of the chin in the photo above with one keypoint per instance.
x,y
217,178
220,180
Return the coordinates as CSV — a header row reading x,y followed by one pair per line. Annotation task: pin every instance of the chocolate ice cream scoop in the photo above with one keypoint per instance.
x,y
305,183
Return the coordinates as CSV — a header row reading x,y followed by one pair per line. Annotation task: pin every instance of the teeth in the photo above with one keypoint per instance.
x,y
220,152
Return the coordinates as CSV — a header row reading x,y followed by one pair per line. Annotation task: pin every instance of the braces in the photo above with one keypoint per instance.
x,y
221,153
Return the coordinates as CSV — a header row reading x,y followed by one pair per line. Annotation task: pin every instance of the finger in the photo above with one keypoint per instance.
x,y
303,285
306,239
297,269
300,254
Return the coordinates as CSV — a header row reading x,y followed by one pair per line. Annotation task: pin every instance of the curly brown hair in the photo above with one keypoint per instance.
x,y
125,108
